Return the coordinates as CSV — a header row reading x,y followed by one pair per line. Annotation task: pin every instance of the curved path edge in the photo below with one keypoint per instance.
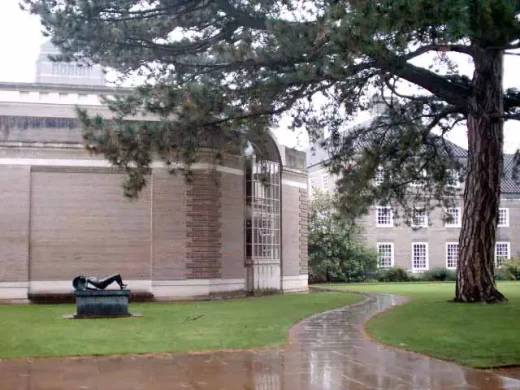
x,y
327,351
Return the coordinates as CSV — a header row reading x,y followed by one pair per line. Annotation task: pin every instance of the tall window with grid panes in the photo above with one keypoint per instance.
x,y
502,253
419,256
385,254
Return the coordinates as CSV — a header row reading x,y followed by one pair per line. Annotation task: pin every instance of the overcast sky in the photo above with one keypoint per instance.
x,y
21,38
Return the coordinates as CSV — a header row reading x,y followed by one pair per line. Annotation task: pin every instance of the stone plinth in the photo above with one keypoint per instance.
x,y
102,303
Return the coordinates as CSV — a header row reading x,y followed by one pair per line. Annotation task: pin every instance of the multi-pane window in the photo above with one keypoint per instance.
x,y
420,218
453,179
419,256
326,181
503,217
453,217
502,252
263,201
379,178
315,183
386,254
420,181
452,254
384,216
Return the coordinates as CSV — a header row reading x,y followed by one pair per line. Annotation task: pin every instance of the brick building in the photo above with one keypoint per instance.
x,y
63,211
432,240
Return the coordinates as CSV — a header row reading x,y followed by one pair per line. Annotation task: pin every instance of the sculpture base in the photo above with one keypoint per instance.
x,y
102,303
76,317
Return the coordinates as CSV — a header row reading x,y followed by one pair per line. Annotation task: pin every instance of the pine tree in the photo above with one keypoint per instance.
x,y
234,66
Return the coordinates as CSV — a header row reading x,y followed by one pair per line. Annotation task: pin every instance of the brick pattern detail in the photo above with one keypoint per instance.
x,y
168,226
304,231
203,226
82,225
233,236
14,223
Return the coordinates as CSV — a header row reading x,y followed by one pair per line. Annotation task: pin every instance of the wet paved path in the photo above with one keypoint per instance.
x,y
327,351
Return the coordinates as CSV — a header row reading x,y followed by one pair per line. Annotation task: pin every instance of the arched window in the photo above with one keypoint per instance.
x,y
263,202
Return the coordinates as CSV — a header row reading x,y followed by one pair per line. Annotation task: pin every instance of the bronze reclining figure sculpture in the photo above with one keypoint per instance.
x,y
85,282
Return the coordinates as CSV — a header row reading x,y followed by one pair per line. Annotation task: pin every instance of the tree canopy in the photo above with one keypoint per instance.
x,y
234,66
336,253
228,63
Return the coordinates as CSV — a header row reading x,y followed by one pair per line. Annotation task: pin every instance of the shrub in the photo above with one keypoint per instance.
x,y
439,275
512,267
510,270
395,274
503,274
334,254
348,262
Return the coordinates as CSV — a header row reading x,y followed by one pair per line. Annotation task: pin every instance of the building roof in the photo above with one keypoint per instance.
x,y
319,155
507,184
28,86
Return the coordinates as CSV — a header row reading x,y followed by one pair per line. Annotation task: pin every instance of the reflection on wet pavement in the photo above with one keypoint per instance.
x,y
327,351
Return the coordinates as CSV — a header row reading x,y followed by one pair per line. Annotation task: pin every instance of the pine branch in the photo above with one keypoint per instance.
x,y
438,48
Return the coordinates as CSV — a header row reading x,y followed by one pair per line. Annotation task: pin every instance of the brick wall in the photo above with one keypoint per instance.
x,y
233,236
82,224
204,212
14,223
168,226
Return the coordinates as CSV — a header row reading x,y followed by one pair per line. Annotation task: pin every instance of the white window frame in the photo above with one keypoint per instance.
x,y
417,184
427,257
447,252
314,179
508,246
506,224
391,224
455,176
379,177
325,181
392,258
425,224
458,224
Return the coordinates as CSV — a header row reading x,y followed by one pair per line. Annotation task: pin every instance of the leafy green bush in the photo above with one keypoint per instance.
x,y
334,254
439,275
503,274
512,266
510,270
395,274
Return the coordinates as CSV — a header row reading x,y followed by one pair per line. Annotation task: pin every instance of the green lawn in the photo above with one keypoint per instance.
x,y
476,335
40,330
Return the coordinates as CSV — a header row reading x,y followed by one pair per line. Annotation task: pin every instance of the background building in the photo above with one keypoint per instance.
x,y
431,242
63,211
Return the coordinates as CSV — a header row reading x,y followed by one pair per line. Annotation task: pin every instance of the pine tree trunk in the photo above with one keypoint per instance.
x,y
475,272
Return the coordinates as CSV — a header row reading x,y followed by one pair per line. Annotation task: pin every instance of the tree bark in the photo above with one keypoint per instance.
x,y
475,271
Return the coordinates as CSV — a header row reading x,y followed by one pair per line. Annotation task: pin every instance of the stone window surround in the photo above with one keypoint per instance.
x,y
417,258
388,245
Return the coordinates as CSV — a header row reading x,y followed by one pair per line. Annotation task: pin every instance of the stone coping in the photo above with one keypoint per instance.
x,y
102,293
